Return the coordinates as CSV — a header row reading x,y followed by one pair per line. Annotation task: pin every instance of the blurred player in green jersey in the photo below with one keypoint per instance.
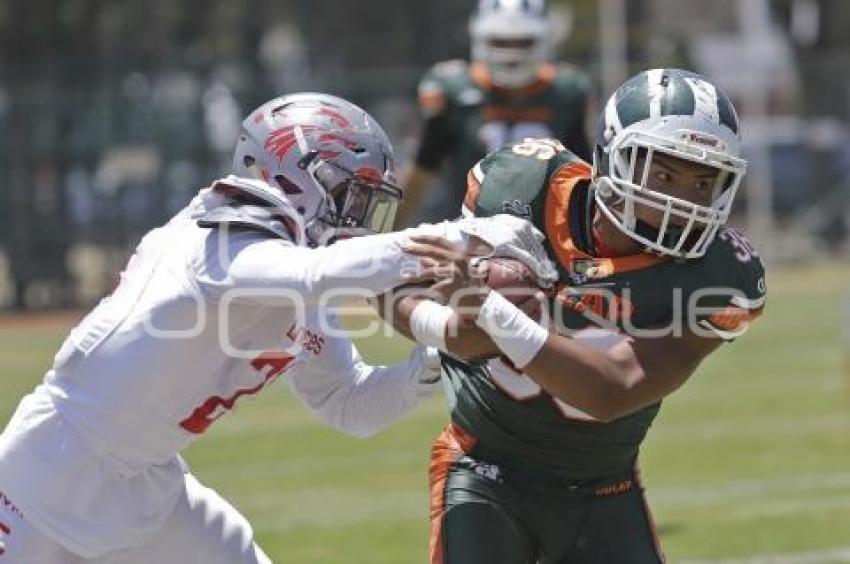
x,y
510,91
539,463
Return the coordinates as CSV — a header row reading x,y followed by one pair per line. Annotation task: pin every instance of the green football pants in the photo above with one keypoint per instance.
x,y
483,513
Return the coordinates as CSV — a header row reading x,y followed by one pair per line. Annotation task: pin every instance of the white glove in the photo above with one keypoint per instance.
x,y
514,237
429,370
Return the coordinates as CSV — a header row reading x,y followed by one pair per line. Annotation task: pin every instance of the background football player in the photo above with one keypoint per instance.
x,y
510,91
539,463
226,297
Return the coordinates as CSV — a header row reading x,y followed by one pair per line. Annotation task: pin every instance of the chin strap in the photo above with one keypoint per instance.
x,y
670,239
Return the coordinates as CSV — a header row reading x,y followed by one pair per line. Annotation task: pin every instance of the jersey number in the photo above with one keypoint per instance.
x,y
744,250
214,407
520,387
543,149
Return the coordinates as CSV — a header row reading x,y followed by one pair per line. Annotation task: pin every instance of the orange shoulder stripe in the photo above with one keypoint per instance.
x,y
556,218
473,190
558,226
734,318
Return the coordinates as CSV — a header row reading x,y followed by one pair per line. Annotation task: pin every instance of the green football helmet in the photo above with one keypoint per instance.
x,y
677,113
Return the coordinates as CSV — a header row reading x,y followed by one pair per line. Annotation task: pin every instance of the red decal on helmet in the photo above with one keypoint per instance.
x,y
337,118
328,154
331,137
282,140
258,117
369,173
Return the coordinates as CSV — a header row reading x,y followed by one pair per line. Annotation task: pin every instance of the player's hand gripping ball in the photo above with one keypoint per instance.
x,y
517,282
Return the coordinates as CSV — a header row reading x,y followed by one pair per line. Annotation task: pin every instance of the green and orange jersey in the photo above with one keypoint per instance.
x,y
718,294
467,116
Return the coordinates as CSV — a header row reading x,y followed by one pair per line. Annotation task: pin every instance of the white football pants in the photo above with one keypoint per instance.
x,y
204,528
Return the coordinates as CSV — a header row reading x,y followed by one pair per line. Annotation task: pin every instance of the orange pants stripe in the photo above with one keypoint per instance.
x,y
450,446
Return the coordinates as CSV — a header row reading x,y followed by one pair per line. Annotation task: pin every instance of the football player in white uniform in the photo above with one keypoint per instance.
x,y
232,293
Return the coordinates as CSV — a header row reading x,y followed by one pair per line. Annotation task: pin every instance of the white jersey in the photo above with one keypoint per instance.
x,y
198,321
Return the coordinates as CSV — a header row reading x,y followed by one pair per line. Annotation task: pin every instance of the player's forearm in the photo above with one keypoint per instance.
x,y
603,373
599,383
374,397
365,266
466,341
269,272
462,338
608,375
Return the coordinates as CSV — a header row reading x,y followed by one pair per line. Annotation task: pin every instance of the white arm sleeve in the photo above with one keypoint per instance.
x,y
356,398
250,267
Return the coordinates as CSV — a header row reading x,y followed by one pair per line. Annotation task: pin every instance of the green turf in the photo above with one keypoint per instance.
x,y
750,457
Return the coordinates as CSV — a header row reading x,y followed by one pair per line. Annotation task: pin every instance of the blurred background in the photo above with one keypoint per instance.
x,y
114,113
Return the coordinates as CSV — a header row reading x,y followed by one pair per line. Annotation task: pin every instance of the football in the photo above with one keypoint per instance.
x,y
515,281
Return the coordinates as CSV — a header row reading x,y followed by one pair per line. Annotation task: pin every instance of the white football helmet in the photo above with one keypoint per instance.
x,y
678,113
512,38
327,158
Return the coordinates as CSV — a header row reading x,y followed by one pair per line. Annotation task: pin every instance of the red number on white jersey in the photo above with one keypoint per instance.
x,y
216,406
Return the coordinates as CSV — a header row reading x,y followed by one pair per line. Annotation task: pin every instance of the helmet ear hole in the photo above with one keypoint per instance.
x,y
250,164
287,185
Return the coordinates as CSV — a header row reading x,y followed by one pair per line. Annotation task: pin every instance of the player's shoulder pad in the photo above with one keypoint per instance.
x,y
439,84
567,164
735,279
512,178
247,217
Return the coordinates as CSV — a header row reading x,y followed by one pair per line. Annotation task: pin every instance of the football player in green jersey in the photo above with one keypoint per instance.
x,y
539,463
509,92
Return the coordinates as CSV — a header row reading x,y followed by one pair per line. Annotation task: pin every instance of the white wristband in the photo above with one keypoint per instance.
x,y
518,336
428,323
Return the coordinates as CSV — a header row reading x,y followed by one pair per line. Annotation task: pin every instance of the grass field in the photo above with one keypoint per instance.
x,y
751,458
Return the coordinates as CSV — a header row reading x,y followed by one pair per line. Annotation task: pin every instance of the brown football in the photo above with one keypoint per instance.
x,y
516,282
